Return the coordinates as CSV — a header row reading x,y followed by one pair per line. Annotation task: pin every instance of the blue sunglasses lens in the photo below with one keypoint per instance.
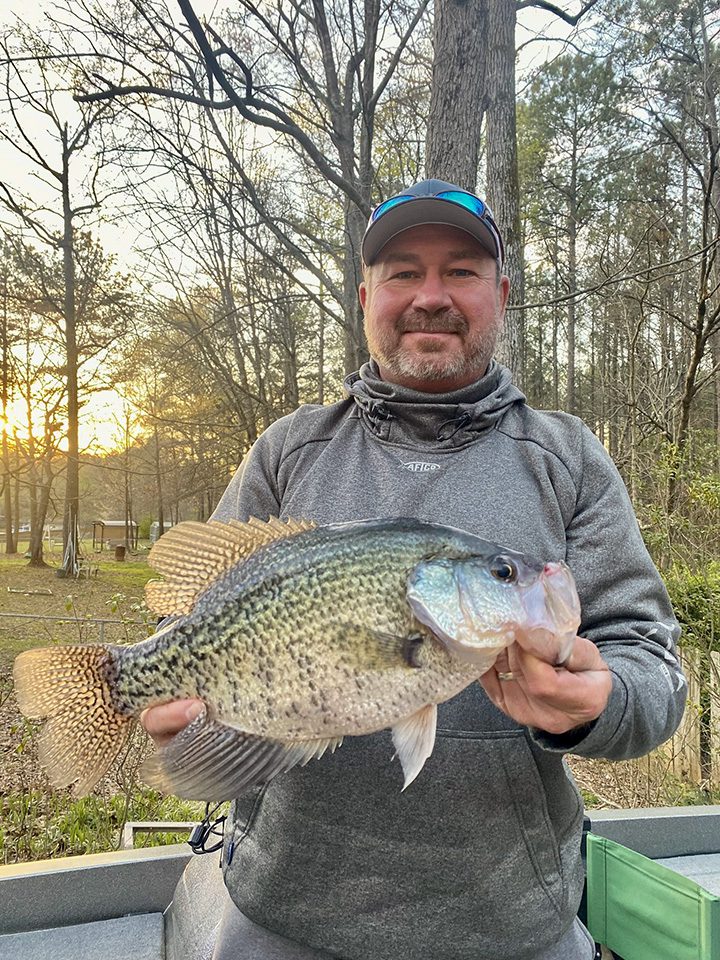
x,y
388,205
467,200
474,204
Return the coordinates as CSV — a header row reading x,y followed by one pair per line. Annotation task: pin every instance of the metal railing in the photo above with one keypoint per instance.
x,y
100,622
132,827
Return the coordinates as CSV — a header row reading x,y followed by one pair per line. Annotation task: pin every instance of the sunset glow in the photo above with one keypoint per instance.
x,y
102,419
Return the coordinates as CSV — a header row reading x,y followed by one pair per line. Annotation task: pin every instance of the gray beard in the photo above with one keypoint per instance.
x,y
398,361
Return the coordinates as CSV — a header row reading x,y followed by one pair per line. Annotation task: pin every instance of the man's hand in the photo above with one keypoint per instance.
x,y
163,722
553,699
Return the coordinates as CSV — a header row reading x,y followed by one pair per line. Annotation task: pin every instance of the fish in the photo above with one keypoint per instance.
x,y
294,635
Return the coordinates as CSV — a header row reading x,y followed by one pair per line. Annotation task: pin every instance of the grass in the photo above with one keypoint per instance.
x,y
115,592
36,824
35,820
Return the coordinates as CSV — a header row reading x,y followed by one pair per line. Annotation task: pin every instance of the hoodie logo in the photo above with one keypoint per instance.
x,y
420,466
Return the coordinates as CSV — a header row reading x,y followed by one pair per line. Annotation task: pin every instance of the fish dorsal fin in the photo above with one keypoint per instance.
x,y
192,555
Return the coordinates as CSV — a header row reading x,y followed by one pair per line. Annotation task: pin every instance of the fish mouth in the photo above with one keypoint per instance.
x,y
553,614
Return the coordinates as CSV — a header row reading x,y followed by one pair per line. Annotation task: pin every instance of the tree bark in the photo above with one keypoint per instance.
x,y
502,173
159,483
458,99
11,536
70,562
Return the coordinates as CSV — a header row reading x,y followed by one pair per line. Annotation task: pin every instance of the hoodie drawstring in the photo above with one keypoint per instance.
x,y
376,410
454,425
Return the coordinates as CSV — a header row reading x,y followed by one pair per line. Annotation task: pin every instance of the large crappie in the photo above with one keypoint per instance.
x,y
295,635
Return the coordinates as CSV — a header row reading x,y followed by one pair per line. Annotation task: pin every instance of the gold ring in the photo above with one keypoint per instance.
x,y
509,675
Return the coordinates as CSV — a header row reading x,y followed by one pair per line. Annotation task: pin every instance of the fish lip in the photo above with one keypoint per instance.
x,y
553,609
563,601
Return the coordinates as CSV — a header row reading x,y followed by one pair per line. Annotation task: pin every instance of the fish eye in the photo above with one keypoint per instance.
x,y
503,570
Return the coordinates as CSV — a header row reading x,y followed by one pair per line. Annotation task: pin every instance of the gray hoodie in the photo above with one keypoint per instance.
x,y
480,857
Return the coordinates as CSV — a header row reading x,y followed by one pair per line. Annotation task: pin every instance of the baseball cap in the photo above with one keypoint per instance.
x,y
432,201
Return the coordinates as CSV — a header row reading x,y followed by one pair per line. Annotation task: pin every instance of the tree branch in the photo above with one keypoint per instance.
x,y
112,92
282,123
609,281
552,8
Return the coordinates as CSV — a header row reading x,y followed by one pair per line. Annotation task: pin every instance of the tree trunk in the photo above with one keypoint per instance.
x,y
34,490
11,536
715,354
356,351
17,496
321,353
159,485
129,536
70,564
572,227
458,99
40,493
502,173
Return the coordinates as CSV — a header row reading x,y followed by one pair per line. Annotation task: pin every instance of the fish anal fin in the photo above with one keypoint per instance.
x,y
191,555
212,761
414,739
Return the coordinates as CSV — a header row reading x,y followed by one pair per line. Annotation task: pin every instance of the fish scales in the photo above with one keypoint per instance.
x,y
296,654
295,636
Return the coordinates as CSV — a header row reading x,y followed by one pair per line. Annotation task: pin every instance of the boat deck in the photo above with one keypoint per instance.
x,y
145,905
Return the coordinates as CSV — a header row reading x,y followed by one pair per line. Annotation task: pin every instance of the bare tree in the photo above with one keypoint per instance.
x,y
474,75
67,166
256,63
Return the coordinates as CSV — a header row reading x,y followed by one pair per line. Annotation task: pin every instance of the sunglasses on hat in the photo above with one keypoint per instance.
x,y
459,198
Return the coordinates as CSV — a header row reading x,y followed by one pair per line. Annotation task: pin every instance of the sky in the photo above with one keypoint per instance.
x,y
104,410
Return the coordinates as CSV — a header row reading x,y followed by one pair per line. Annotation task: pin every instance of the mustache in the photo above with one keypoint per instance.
x,y
447,321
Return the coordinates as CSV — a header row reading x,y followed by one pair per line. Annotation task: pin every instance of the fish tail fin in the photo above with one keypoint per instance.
x,y
71,687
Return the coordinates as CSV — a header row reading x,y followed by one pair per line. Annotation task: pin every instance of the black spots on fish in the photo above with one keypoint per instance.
x,y
412,648
172,659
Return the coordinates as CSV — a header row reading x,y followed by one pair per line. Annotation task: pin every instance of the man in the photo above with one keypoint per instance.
x,y
480,858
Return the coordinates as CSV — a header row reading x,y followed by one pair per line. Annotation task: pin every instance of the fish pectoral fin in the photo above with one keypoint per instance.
x,y
414,739
211,761
378,649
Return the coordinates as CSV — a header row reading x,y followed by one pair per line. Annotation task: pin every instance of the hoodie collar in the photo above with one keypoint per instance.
x,y
400,415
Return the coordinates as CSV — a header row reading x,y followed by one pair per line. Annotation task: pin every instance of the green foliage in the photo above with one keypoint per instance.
x,y
590,799
131,610
35,824
695,597
144,528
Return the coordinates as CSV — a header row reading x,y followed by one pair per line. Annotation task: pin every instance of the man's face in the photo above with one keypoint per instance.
x,y
433,308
